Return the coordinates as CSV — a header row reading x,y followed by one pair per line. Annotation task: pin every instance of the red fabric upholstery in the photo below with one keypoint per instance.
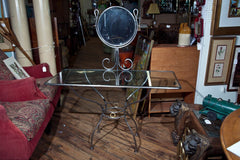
x,y
3,115
38,71
27,116
13,143
16,146
48,91
20,90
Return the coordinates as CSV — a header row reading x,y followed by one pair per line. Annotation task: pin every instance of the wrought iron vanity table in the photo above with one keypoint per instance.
x,y
103,78
116,28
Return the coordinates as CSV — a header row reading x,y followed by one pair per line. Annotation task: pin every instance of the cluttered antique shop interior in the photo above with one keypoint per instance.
x,y
119,79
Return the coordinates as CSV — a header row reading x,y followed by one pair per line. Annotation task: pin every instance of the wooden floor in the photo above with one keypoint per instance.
x,y
75,119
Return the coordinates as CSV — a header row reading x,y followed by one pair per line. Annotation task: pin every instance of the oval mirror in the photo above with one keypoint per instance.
x,y
116,27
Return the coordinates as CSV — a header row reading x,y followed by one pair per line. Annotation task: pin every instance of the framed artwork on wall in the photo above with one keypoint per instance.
x,y
234,79
222,23
219,60
234,8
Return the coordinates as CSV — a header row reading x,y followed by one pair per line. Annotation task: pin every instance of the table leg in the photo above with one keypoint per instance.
x,y
96,128
133,134
105,113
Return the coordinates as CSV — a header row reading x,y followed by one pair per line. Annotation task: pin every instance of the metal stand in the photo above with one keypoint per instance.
x,y
117,65
115,113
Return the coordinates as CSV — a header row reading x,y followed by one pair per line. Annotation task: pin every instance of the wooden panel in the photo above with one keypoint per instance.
x,y
60,10
34,42
183,61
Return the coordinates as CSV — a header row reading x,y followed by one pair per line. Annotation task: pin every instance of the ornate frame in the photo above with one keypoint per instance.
x,y
216,29
234,71
219,60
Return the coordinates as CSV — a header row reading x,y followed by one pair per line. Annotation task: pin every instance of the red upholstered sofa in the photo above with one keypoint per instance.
x,y
26,107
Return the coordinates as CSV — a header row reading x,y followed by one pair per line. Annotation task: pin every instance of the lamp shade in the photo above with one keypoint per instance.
x,y
153,9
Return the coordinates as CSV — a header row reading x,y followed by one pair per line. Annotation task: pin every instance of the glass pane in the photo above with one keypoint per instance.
x,y
118,79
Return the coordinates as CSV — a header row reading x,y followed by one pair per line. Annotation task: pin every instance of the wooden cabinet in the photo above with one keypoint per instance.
x,y
60,9
184,62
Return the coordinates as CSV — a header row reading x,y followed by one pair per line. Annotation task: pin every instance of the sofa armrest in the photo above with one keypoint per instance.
x,y
38,71
3,114
13,141
20,90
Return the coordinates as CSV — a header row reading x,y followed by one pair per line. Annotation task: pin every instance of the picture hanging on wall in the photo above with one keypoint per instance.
x,y
223,21
234,79
234,8
219,60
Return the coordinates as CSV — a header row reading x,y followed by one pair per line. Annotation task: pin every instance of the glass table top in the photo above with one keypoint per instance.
x,y
115,78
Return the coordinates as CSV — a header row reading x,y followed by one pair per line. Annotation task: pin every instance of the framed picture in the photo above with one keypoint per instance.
x,y
234,79
141,60
219,60
222,23
15,68
218,70
234,8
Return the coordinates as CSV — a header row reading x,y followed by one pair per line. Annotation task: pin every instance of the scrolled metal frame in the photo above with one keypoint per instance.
x,y
118,76
116,112
113,112
117,64
121,45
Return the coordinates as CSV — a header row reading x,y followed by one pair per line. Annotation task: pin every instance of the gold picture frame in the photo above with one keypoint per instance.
x,y
219,60
221,19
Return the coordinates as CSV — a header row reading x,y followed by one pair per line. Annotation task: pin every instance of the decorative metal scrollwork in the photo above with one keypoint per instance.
x,y
116,27
124,76
117,65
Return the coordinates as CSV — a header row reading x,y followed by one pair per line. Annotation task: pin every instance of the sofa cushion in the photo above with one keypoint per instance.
x,y
5,73
20,90
38,71
27,116
48,90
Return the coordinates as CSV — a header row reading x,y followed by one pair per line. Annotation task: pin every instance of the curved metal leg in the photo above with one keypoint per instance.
x,y
134,135
96,128
125,112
